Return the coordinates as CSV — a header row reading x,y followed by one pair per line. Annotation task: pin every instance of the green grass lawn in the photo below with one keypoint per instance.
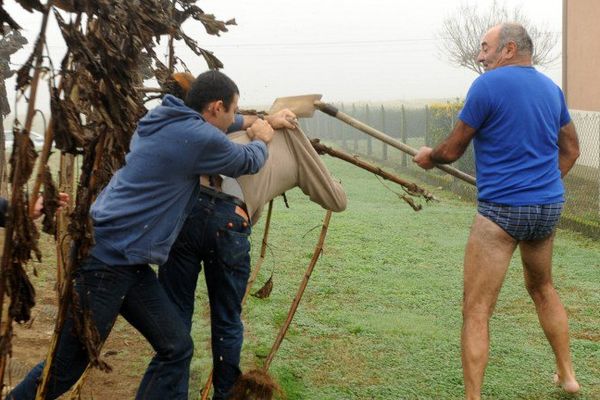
x,y
381,316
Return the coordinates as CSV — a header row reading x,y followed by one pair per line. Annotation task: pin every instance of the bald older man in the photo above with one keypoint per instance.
x,y
524,144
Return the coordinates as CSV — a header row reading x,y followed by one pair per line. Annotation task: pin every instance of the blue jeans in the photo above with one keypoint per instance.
x,y
213,235
134,292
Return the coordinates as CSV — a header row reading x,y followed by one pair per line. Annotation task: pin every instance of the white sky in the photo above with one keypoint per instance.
x,y
348,50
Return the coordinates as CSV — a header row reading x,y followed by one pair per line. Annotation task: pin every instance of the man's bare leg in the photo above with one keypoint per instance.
x,y
537,268
487,257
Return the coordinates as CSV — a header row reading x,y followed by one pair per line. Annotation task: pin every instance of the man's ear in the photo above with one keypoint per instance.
x,y
511,49
219,106
214,106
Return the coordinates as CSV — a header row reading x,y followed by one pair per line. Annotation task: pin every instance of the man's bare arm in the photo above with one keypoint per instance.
x,y
282,119
568,148
450,150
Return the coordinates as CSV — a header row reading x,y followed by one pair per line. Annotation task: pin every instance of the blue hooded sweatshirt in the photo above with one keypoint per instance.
x,y
139,214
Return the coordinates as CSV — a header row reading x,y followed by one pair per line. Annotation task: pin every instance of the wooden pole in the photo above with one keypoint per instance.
x,y
369,139
384,150
410,186
75,393
403,135
43,160
340,131
299,293
3,163
332,111
171,54
171,47
63,242
207,385
427,122
355,133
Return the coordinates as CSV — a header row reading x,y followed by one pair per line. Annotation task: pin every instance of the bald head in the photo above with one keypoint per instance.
x,y
505,44
516,33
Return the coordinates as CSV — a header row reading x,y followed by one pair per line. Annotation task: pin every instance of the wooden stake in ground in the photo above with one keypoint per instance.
x,y
257,384
300,292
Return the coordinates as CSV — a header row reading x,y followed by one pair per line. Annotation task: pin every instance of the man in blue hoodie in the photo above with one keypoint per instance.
x,y
215,238
136,220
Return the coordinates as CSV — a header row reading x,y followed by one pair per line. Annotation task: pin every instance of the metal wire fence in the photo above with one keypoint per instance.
x,y
417,126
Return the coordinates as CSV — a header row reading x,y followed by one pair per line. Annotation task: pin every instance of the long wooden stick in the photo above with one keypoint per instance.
x,y
150,90
3,163
207,385
410,186
66,185
334,112
171,54
43,160
303,284
63,242
255,270
75,393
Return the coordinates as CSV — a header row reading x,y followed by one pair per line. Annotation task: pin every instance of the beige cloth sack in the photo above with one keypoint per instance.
x,y
292,162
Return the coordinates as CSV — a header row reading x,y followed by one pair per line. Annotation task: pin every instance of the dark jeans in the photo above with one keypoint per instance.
x,y
133,291
216,236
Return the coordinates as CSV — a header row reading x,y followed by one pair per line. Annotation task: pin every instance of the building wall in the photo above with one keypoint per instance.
x,y
581,54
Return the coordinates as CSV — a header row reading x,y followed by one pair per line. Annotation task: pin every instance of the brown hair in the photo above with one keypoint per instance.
x,y
179,84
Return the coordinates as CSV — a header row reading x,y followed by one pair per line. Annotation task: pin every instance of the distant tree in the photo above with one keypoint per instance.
x,y
461,34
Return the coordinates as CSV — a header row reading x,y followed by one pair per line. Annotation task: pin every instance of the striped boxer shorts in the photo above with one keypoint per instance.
x,y
532,222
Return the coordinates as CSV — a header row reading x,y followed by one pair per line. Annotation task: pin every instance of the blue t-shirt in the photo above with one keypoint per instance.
x,y
517,113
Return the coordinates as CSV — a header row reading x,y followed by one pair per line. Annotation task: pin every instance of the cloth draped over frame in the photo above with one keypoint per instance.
x,y
292,162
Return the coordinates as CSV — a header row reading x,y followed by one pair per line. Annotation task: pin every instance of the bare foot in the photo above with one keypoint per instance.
x,y
569,385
